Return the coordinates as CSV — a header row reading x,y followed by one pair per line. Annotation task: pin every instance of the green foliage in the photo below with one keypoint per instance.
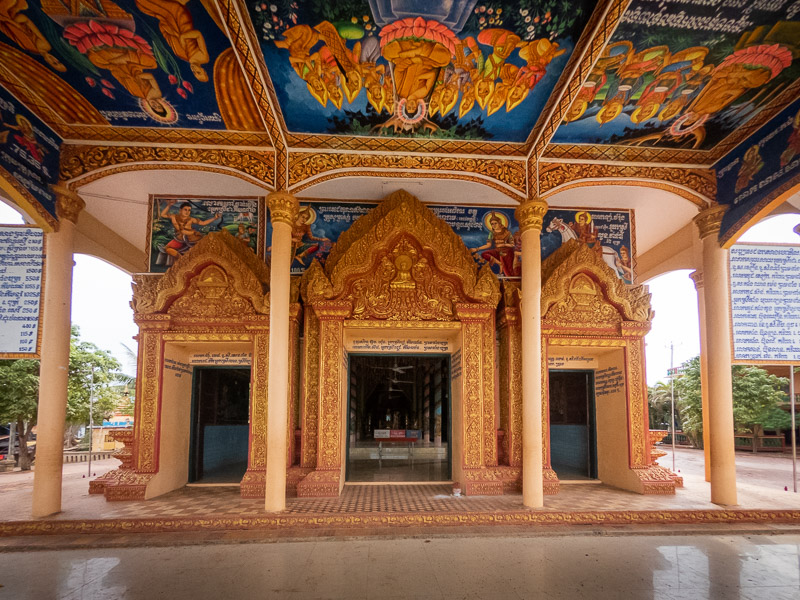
x,y
19,390
756,395
660,401
87,364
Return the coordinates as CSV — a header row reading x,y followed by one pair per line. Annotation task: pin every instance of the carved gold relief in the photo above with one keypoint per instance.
x,y
709,221
79,160
147,420
245,277
310,412
558,275
530,214
68,203
307,165
282,207
699,186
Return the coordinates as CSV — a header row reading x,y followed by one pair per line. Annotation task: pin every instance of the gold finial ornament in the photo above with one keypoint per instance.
x,y
283,207
68,203
708,221
530,214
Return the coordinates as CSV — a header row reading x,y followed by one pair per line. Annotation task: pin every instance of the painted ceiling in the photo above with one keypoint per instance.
x,y
680,74
464,69
132,63
686,73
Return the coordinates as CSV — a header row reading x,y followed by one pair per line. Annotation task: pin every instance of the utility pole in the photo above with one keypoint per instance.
x,y
91,421
672,394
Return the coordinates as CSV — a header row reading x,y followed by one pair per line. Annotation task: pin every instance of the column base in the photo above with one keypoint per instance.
x,y
253,484
320,484
551,485
121,485
482,482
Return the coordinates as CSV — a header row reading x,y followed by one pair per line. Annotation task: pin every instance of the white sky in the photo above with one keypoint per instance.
x,y
102,293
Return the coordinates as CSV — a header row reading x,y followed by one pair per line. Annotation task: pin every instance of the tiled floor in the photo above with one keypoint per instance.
x,y
574,567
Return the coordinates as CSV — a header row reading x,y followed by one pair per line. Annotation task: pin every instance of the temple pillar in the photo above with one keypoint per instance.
x,y
530,215
54,364
697,277
718,352
283,211
254,481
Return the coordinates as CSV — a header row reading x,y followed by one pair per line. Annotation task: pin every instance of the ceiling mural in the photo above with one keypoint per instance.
x,y
139,63
686,73
463,69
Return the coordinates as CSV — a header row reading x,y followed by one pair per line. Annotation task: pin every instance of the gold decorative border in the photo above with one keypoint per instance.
x,y
619,153
603,22
365,521
699,186
78,161
165,136
323,141
309,168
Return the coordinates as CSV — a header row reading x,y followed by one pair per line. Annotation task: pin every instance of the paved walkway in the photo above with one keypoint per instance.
x,y
713,567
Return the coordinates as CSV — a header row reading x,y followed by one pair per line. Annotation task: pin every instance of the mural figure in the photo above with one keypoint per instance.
x,y
751,164
417,67
583,230
18,26
304,242
177,27
793,145
623,265
25,138
500,247
186,233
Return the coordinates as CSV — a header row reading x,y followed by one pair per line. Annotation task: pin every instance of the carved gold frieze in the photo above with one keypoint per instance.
x,y
227,280
699,186
561,289
80,160
282,207
710,220
305,166
530,214
68,203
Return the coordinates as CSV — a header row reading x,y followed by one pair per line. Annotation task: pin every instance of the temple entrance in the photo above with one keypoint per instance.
x,y
573,436
220,430
399,418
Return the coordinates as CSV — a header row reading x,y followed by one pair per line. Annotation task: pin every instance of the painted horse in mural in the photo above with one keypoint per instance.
x,y
607,253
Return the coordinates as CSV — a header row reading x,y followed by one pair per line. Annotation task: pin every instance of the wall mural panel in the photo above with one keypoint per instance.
x,y
467,69
178,223
686,74
29,150
138,62
492,233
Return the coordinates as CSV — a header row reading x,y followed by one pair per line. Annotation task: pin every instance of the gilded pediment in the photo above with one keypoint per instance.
x,y
401,262
218,278
579,287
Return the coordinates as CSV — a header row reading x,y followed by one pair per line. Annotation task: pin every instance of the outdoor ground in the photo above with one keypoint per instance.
x,y
664,561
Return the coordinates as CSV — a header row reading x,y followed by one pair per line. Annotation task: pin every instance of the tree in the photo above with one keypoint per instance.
x,y
660,401
93,374
19,396
756,395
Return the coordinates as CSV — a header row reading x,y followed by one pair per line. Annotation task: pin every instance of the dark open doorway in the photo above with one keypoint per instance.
x,y
220,429
573,443
399,418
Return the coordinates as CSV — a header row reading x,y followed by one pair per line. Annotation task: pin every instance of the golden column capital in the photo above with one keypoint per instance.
x,y
283,207
709,220
530,214
68,203
697,277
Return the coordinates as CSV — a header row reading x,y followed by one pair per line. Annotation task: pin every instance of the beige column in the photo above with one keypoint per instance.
x,y
54,365
697,277
530,215
283,210
718,351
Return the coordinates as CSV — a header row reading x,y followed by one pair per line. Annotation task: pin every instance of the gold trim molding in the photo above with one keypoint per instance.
x,y
78,161
68,203
283,207
530,214
699,186
709,221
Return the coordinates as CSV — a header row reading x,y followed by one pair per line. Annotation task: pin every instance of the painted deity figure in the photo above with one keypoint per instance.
x,y
623,264
751,164
793,145
500,247
19,27
304,242
185,235
177,27
585,230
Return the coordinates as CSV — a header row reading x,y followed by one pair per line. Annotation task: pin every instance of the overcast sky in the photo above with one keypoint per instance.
x,y
102,293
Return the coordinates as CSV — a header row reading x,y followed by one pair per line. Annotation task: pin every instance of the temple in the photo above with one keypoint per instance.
x,y
370,245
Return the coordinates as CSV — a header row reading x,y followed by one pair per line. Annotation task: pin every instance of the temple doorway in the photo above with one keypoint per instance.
x,y
573,432
399,418
220,430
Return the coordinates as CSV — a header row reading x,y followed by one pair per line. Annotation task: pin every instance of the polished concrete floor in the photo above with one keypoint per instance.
x,y
697,567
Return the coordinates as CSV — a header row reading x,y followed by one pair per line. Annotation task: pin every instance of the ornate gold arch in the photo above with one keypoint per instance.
x,y
82,164
584,304
216,292
698,186
399,266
